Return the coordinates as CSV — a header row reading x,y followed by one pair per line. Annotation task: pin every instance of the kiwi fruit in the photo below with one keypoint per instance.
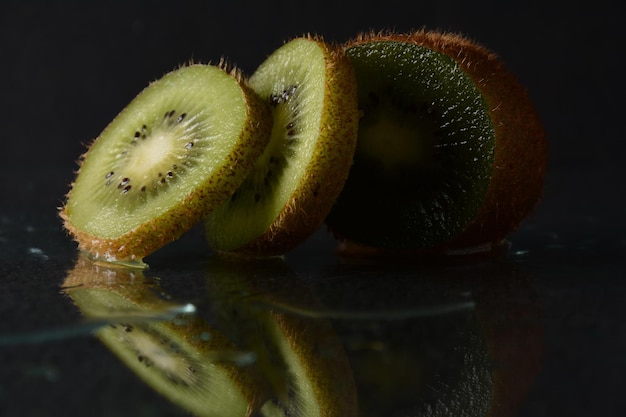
x,y
301,357
178,150
179,355
311,89
451,153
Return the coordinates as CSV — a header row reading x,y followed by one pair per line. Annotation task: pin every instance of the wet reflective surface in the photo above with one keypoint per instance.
x,y
312,333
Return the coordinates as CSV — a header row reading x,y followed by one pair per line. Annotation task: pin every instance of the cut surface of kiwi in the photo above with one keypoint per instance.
x,y
450,149
311,89
180,148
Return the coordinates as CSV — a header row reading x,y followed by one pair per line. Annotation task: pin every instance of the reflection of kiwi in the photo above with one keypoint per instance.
x,y
510,315
450,151
413,356
301,358
181,147
311,89
413,341
179,355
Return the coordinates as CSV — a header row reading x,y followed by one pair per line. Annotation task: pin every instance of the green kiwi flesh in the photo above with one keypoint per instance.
x,y
179,355
179,149
425,149
311,89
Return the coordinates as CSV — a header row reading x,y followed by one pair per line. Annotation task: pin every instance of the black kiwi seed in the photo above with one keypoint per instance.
x,y
123,183
276,99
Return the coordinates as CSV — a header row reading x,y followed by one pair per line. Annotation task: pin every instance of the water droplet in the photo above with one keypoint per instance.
x,y
38,252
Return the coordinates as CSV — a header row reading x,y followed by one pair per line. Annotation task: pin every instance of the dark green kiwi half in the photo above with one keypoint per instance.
x,y
450,150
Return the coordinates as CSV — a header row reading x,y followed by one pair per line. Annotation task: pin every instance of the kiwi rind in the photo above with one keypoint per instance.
x,y
306,191
122,232
193,377
519,159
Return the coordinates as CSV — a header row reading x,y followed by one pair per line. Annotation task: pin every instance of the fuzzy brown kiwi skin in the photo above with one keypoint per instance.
x,y
134,245
521,151
326,174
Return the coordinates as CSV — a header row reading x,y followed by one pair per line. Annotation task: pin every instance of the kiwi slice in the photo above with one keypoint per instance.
x,y
179,355
311,89
179,149
451,152
300,357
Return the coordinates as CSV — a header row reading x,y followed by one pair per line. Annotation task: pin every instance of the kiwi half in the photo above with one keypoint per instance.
x,y
179,355
311,89
179,149
451,153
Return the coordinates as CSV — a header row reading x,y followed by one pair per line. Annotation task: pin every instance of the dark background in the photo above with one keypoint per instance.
x,y
66,69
